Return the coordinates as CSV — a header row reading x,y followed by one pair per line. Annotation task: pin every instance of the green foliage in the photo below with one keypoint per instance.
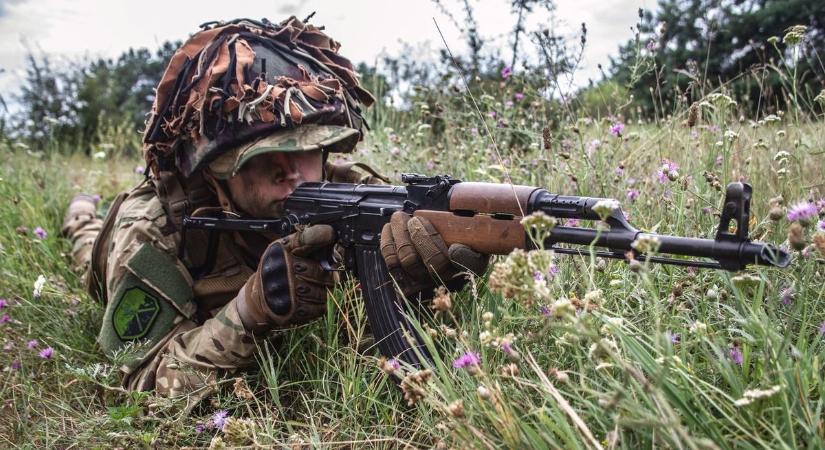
x,y
689,48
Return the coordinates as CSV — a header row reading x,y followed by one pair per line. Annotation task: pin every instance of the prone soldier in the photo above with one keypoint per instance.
x,y
245,112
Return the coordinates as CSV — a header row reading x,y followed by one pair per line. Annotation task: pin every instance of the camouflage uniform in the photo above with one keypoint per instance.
x,y
169,332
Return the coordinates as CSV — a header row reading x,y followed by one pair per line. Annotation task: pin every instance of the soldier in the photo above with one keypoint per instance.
x,y
244,113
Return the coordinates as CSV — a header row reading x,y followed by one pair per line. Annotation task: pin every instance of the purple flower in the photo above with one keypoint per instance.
x,y
219,419
15,365
506,347
3,303
394,364
32,344
632,195
719,160
508,104
538,277
616,129
822,328
545,311
200,428
506,72
674,338
821,225
618,171
467,360
40,233
736,355
668,171
553,270
573,223
519,96
692,270
492,114
787,296
5,319
47,353
140,170
474,131
801,211
651,46
707,210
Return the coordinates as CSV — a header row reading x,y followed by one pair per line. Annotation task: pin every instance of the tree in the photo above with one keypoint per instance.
x,y
691,46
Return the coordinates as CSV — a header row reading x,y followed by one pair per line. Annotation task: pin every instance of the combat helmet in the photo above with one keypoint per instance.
x,y
248,86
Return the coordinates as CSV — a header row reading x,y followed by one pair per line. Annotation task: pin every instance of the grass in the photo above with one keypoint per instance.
x,y
653,362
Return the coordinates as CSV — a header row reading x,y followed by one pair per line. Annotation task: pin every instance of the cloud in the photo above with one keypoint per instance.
x,y
291,9
4,4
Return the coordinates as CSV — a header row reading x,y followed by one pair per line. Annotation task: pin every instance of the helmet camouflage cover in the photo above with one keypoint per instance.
x,y
239,82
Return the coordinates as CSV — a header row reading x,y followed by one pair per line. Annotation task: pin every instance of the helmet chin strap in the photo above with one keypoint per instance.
x,y
224,197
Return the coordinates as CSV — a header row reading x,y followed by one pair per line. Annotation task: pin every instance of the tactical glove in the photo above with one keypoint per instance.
x,y
418,258
290,286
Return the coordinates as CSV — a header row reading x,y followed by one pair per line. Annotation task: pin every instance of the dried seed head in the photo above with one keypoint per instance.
x,y
442,301
456,408
545,138
776,213
241,390
483,392
796,236
510,370
819,243
414,385
693,115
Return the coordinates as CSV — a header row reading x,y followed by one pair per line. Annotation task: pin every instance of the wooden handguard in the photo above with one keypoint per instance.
x,y
490,198
482,233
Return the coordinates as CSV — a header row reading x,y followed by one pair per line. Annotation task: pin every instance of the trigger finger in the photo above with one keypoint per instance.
x,y
388,250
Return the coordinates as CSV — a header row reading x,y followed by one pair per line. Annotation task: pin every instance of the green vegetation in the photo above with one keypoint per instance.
x,y
585,354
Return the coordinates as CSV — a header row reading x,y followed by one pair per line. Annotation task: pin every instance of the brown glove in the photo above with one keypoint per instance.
x,y
289,287
418,258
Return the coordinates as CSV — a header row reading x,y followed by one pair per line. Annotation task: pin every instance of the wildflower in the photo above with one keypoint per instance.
x,y
560,375
605,207
8,346
32,344
698,327
467,360
674,338
47,353
719,160
795,34
736,355
99,155
802,212
593,146
506,72
616,129
40,233
572,223
3,303
618,171
492,114
389,366
752,395
507,347
646,243
563,308
651,46
822,328
38,286
796,236
15,365
787,296
668,172
545,311
632,195
442,301
508,104
200,428
140,170
5,319
510,370
553,270
483,392
218,419
519,96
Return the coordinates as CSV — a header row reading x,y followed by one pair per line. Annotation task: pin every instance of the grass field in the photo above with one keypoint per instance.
x,y
660,357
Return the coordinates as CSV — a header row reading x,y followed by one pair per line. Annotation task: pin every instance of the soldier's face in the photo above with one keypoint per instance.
x,y
262,184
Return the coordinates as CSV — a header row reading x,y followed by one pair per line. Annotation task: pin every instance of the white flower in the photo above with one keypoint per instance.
x,y
38,286
99,155
751,395
605,207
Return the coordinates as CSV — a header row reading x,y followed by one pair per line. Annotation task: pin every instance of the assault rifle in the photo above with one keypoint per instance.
x,y
486,217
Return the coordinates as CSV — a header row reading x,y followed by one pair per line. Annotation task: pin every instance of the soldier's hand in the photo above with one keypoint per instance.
x,y
419,259
290,286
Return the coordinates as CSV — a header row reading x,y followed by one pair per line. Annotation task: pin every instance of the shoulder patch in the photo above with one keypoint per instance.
x,y
160,272
134,314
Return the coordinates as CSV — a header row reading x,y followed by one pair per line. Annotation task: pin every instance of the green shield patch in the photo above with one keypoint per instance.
x,y
134,314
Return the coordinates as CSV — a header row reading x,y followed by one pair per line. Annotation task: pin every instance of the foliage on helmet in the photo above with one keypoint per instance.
x,y
236,81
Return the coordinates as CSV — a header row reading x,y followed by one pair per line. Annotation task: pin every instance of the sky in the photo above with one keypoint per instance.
x,y
77,29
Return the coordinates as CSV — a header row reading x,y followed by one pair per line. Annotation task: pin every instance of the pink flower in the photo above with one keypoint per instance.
x,y
821,225
573,223
15,365
632,195
468,359
8,346
553,270
3,303
200,428
140,170
219,419
822,328
40,233
492,114
719,160
32,344
506,347
519,96
538,277
802,212
736,355
47,353
506,72
616,129
5,319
